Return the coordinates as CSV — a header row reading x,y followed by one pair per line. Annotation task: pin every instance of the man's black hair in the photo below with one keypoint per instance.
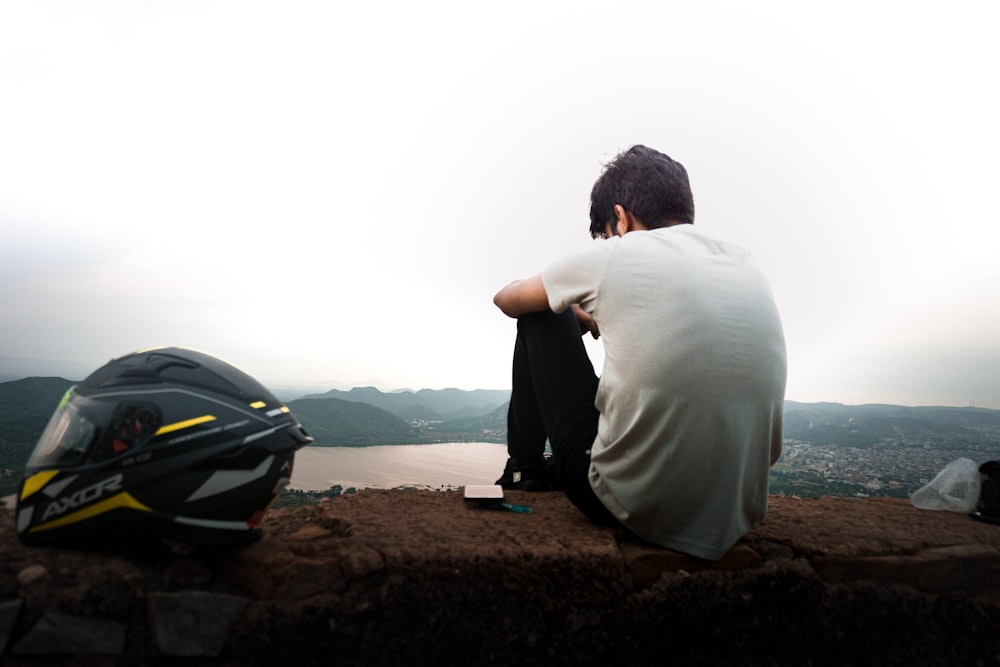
x,y
647,184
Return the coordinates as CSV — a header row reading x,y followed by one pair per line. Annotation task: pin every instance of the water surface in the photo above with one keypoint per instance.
x,y
449,464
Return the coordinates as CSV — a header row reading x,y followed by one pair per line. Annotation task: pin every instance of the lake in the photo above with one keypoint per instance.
x,y
448,464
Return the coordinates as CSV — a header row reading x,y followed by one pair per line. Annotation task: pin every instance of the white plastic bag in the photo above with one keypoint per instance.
x,y
955,488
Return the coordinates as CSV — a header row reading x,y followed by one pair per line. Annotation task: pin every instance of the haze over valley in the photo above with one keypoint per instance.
x,y
829,448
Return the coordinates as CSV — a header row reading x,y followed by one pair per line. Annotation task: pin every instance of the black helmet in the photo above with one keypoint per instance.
x,y
166,442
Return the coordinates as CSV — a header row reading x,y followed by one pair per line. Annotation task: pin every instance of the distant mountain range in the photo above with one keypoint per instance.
x,y
367,416
12,368
426,404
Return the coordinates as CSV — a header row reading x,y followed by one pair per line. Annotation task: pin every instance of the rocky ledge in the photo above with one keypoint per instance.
x,y
387,577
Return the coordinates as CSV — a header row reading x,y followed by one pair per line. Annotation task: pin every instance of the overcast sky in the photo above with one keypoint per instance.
x,y
329,194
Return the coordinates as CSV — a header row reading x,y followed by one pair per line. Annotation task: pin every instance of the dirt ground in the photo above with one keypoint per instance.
x,y
380,574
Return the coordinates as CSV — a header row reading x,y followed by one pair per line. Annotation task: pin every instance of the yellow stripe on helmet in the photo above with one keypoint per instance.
x,y
117,501
187,423
36,482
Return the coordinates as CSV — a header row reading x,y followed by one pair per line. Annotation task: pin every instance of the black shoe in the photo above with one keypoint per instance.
x,y
536,476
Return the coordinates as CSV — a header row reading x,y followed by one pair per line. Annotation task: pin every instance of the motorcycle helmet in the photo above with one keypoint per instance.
x,y
169,443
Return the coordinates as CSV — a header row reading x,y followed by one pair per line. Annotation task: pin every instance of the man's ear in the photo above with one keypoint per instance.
x,y
625,222
621,220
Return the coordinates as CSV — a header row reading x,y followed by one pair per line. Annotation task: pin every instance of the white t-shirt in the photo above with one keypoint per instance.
x,y
692,392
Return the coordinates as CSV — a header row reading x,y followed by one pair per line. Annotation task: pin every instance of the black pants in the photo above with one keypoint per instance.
x,y
552,396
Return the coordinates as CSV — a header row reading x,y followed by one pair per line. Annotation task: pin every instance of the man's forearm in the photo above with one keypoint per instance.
x,y
522,296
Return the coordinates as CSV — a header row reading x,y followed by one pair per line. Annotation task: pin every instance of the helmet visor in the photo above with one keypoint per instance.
x,y
86,430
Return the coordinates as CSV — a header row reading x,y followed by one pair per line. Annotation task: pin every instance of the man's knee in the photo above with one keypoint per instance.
x,y
548,321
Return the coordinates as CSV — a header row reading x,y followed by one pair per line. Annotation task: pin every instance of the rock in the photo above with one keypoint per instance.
x,y
646,562
192,623
309,532
972,569
32,574
57,633
187,573
8,617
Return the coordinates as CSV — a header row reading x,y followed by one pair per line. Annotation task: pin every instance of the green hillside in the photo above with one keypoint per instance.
x,y
490,427
31,396
25,408
332,421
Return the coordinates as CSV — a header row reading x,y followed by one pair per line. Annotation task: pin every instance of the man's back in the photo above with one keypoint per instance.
x,y
691,394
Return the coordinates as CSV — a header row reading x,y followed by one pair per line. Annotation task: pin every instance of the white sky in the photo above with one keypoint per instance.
x,y
329,194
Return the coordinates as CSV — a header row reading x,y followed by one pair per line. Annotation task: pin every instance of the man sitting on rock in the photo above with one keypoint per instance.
x,y
675,440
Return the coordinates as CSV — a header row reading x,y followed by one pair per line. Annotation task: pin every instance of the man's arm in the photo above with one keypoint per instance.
x,y
522,297
529,296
